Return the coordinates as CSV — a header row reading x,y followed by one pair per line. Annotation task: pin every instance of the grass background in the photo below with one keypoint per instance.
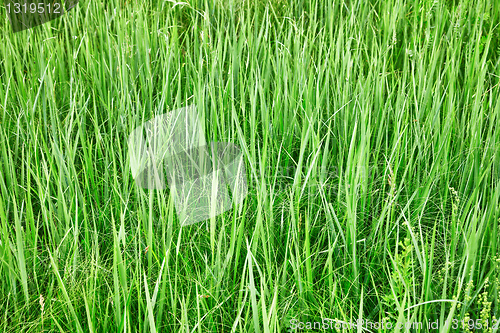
x,y
371,140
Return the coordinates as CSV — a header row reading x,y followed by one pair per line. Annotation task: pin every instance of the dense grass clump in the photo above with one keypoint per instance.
x,y
372,149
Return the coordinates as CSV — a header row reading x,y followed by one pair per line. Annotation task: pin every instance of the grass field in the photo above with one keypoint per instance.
x,y
371,137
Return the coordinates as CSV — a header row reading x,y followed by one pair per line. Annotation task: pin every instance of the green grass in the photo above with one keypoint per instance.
x,y
372,149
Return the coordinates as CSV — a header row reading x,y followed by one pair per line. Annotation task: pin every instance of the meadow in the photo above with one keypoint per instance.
x,y
371,145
